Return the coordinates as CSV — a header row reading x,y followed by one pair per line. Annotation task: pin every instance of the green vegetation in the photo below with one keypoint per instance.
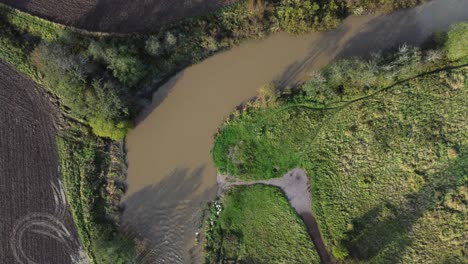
x,y
90,165
258,226
103,78
457,42
103,81
94,170
384,143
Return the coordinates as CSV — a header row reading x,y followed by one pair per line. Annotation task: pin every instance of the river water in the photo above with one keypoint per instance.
x,y
171,176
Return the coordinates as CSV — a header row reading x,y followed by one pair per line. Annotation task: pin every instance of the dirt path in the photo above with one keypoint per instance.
x,y
295,185
117,16
35,221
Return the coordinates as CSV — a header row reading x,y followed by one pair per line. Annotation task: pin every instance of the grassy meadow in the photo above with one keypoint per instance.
x,y
385,144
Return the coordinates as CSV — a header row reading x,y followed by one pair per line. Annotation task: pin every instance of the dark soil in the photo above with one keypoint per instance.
x,y
118,16
35,222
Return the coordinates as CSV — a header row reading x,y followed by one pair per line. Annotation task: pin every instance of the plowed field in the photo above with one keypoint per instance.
x,y
119,16
35,222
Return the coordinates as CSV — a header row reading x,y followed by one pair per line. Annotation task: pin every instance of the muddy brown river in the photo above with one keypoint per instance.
x,y
171,176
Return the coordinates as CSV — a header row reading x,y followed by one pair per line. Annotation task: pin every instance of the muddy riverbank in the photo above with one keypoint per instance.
x,y
171,176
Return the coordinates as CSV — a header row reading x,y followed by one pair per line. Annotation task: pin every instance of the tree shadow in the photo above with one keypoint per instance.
x,y
383,32
384,231
164,217
321,51
157,98
411,26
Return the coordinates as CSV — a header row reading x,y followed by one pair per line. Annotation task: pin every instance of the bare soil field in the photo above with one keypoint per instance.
x,y
118,16
35,222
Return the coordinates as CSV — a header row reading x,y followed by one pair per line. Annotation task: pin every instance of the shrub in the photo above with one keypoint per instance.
x,y
440,38
108,128
456,45
209,43
122,60
85,160
95,50
125,64
99,101
171,39
297,16
268,92
153,46
340,252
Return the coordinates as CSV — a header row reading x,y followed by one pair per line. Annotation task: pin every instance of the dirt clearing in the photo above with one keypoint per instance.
x,y
119,16
35,222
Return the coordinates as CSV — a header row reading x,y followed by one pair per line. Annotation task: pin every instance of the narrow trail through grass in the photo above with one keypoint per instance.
x,y
342,105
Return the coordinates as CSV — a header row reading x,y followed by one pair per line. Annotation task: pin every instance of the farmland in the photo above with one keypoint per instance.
x,y
35,220
384,143
119,16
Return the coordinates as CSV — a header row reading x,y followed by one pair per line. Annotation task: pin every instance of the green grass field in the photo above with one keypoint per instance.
x,y
385,144
259,226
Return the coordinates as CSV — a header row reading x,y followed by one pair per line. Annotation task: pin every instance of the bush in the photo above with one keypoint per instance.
x,y
359,6
440,38
340,252
85,164
108,128
268,92
100,102
456,45
171,39
121,59
153,46
297,16
125,64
